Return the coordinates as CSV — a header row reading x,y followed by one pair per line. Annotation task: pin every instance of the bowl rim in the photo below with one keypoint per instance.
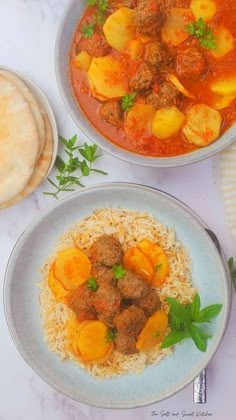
x,y
106,145
182,205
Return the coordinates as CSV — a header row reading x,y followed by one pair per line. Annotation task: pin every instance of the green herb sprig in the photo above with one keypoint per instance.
x,y
98,18
182,320
118,271
158,267
203,33
110,335
232,270
128,101
72,170
92,284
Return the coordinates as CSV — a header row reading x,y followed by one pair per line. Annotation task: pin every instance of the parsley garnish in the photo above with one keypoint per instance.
x,y
92,284
82,167
158,267
156,334
110,335
232,270
127,101
203,33
182,320
87,29
118,271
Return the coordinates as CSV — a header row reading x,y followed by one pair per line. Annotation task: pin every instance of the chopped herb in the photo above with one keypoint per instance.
x,y
127,101
118,271
92,284
87,29
203,33
158,267
232,270
182,320
66,178
110,335
156,334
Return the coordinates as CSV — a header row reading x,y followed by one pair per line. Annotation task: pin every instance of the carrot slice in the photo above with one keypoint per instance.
x,y
135,259
92,344
153,331
60,293
158,259
72,268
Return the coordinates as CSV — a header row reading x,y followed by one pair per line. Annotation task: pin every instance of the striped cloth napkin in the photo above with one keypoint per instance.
x,y
227,169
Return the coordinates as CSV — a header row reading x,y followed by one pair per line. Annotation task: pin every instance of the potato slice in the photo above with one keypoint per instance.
x,y
221,102
134,48
82,61
224,42
60,293
72,268
225,86
167,122
173,31
92,343
204,9
119,29
173,79
158,259
202,125
138,119
153,331
135,259
105,76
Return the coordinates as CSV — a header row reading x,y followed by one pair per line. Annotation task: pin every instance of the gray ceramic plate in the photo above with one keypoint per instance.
x,y
21,294
66,31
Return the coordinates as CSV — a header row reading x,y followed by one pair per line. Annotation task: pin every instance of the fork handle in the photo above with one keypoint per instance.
x,y
199,388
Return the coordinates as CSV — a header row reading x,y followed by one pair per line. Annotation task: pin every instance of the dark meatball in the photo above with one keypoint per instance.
x,y
81,302
106,250
130,321
149,16
107,302
143,78
96,45
169,4
133,286
191,63
102,274
149,303
167,95
158,55
111,113
125,344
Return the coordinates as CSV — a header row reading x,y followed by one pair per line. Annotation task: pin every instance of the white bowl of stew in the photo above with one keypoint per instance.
x,y
161,100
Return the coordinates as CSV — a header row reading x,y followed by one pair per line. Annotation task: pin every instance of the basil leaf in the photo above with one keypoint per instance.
x,y
195,307
174,337
177,309
198,337
208,313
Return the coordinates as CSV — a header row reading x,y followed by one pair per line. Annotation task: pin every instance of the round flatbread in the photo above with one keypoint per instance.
x,y
35,107
41,167
19,140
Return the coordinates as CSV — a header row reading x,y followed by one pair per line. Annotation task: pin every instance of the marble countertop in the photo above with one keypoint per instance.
x,y
27,37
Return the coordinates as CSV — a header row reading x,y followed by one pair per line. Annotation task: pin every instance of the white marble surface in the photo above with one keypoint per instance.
x,y
27,36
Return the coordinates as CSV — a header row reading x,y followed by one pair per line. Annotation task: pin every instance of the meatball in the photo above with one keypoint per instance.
x,y
102,274
130,321
111,113
158,55
125,344
167,95
96,45
107,302
117,4
149,16
81,301
133,286
106,250
149,303
143,78
191,63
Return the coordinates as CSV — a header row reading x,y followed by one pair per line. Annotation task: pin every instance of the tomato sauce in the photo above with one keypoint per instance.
x,y
149,144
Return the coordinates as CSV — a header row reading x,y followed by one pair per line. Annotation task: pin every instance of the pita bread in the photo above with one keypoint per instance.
x,y
41,167
35,108
19,141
